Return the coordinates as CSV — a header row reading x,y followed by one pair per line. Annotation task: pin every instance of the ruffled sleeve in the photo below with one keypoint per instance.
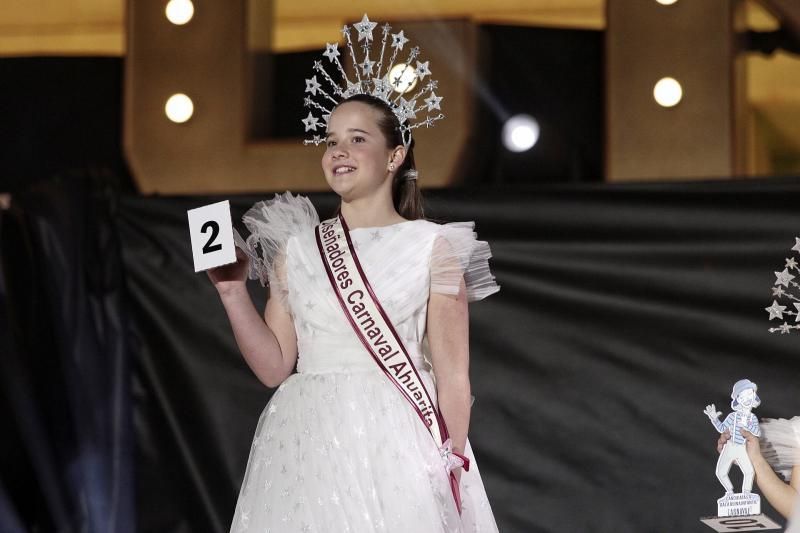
x,y
458,253
271,224
780,444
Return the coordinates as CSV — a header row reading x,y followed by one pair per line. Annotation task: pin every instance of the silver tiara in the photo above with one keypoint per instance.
x,y
371,79
783,291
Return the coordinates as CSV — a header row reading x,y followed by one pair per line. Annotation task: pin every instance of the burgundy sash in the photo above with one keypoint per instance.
x,y
373,328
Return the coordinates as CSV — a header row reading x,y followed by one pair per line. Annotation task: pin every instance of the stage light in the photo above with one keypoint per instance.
x,y
520,133
407,74
179,12
179,108
668,92
666,2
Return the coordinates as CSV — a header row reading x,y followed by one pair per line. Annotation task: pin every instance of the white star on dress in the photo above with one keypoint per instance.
x,y
785,328
797,316
791,263
365,28
775,310
783,278
796,246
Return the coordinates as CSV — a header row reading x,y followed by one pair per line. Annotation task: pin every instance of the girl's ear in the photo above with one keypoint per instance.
x,y
398,156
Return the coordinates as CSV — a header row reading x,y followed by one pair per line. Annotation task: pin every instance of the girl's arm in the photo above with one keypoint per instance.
x,y
779,494
268,344
448,337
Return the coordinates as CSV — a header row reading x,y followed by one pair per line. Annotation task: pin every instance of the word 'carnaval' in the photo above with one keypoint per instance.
x,y
403,371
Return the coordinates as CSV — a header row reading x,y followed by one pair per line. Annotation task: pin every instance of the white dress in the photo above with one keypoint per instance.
x,y
337,448
780,444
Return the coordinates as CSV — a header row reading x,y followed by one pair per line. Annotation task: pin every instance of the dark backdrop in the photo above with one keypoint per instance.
x,y
623,312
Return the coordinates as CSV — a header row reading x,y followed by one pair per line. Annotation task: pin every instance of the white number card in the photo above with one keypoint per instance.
x,y
212,236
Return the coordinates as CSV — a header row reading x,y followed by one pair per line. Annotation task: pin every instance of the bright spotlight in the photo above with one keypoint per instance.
x,y
668,92
520,133
666,2
179,12
179,108
407,75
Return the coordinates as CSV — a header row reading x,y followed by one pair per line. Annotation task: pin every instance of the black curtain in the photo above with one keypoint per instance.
x,y
68,444
624,310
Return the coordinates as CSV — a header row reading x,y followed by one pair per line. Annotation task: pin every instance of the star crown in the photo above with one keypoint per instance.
x,y
324,93
783,291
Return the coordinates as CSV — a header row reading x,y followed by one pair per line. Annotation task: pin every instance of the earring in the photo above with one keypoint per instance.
x,y
391,166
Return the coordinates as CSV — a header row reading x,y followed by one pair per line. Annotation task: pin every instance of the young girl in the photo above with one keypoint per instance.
x,y
778,450
339,448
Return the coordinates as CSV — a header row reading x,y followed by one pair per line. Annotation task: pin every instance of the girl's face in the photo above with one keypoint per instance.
x,y
356,161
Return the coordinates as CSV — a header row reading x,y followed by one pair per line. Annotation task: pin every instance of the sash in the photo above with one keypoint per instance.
x,y
373,328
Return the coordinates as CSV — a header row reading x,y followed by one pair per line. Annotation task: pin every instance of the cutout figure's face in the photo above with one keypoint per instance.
x,y
746,398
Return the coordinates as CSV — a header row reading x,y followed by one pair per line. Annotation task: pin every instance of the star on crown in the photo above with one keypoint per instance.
x,y
784,291
323,92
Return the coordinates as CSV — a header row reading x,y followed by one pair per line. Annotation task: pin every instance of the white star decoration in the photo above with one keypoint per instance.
x,y
422,70
399,40
783,278
783,288
310,122
366,66
406,109
331,51
312,85
775,310
352,88
365,28
433,101
381,88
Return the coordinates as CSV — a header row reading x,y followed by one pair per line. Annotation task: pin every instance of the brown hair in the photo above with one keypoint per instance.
x,y
406,194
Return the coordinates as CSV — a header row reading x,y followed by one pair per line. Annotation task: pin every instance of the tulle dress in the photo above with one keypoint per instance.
x,y
780,444
337,448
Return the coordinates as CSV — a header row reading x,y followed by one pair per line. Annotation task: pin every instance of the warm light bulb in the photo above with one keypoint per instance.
x,y
666,2
407,75
179,108
668,92
179,12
